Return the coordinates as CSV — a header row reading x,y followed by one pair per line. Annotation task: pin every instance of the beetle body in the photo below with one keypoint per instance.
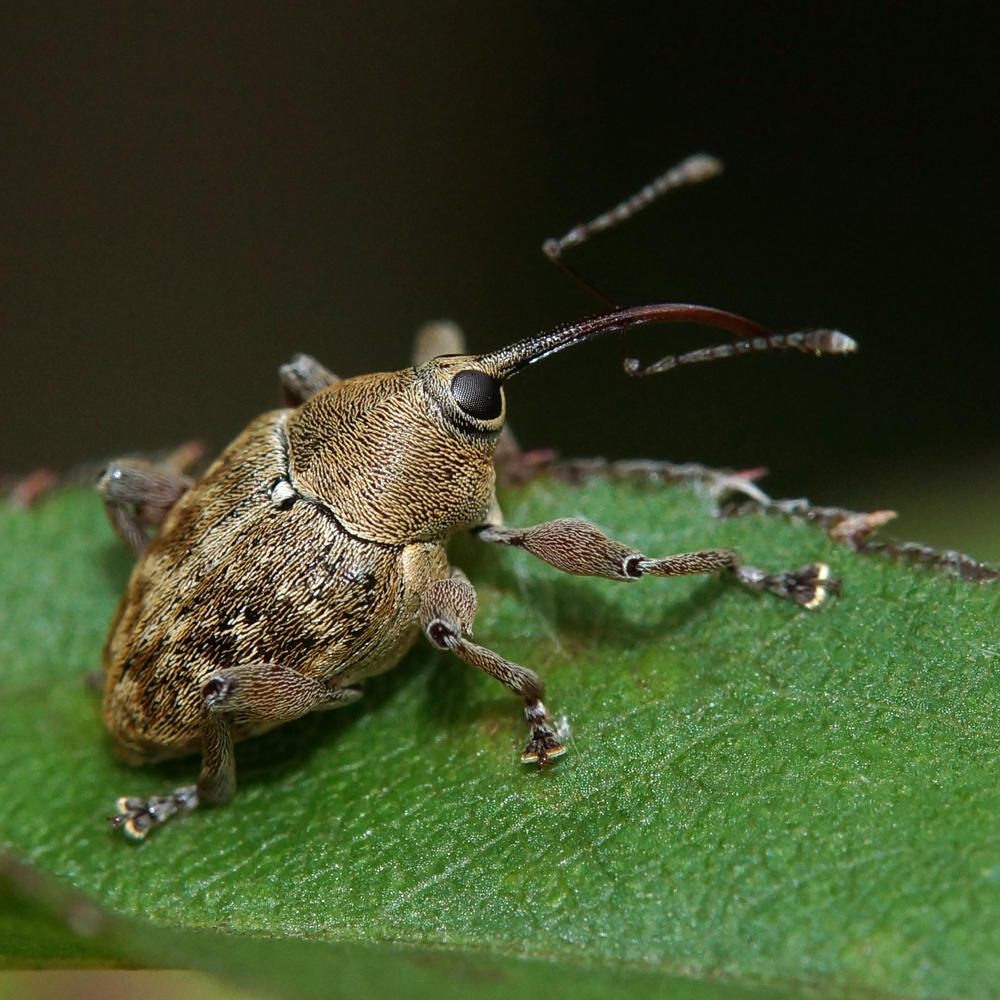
x,y
311,554
306,545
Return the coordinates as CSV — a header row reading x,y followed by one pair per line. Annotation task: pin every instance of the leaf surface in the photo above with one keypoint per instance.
x,y
755,795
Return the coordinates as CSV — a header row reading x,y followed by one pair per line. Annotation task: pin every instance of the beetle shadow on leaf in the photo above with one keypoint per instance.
x,y
579,615
289,748
449,695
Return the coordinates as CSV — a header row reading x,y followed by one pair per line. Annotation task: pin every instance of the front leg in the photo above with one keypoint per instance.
x,y
262,693
576,546
447,610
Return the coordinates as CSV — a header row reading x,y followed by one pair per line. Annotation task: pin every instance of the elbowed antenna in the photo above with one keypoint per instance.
x,y
509,361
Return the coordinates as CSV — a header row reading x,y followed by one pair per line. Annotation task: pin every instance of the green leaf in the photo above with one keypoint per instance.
x,y
755,795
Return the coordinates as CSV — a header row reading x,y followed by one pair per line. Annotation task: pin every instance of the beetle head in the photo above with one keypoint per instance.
x,y
402,456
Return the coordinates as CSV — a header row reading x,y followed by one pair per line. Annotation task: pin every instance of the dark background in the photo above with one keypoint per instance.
x,y
191,192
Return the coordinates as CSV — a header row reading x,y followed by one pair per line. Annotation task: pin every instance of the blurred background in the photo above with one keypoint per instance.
x,y
190,192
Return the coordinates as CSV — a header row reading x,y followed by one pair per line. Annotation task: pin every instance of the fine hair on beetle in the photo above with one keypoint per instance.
x,y
312,553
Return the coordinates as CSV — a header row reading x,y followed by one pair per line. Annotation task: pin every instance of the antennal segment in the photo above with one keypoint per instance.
x,y
693,170
810,342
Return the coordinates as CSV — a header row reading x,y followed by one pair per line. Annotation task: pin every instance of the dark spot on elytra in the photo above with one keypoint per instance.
x,y
217,647
250,615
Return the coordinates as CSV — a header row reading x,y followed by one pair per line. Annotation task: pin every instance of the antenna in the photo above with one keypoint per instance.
x,y
693,170
509,361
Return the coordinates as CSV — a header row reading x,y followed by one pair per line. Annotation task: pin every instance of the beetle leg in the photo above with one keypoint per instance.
x,y
269,692
256,692
808,585
440,336
303,377
447,609
138,495
216,783
136,817
576,546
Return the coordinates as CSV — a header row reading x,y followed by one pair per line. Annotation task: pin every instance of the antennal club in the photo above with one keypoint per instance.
x,y
811,342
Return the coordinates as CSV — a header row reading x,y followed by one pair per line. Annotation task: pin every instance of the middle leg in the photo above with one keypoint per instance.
x,y
250,693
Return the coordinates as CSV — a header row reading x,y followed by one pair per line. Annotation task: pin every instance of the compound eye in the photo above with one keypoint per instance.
x,y
478,394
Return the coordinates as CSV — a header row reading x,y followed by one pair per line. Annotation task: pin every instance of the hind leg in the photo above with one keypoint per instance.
x,y
135,817
303,377
256,693
138,495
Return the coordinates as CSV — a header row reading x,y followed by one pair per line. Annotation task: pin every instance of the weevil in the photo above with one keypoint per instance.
x,y
311,554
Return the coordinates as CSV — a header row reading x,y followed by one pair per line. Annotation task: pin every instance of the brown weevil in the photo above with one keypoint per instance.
x,y
311,554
